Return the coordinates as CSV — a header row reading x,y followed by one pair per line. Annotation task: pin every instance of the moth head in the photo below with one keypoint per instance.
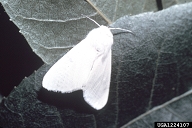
x,y
101,39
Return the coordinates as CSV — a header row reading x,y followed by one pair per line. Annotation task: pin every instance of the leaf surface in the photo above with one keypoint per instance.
x,y
149,68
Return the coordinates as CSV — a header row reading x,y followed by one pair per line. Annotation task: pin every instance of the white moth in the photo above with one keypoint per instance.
x,y
87,67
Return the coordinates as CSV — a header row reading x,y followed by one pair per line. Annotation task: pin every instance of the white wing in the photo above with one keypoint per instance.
x,y
71,72
96,90
87,66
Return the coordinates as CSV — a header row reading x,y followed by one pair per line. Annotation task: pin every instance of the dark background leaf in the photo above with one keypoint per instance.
x,y
175,110
155,65
148,69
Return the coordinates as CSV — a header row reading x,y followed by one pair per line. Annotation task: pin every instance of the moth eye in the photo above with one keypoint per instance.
x,y
99,48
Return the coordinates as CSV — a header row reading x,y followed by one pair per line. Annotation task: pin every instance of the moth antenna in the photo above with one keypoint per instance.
x,y
92,20
123,30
